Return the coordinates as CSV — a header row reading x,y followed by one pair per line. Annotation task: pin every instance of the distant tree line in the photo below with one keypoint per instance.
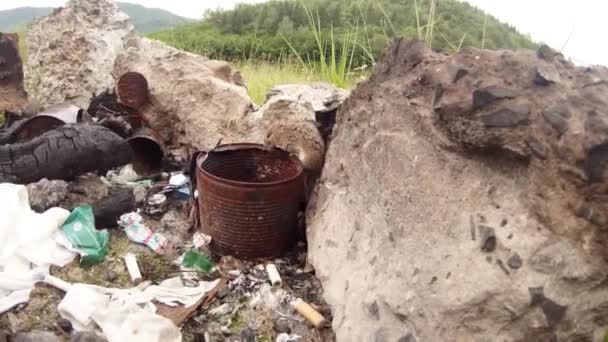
x,y
263,31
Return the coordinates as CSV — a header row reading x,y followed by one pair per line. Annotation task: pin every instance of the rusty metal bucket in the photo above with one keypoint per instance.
x,y
249,198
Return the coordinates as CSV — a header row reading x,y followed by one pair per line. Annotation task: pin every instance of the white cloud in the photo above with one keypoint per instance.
x,y
553,21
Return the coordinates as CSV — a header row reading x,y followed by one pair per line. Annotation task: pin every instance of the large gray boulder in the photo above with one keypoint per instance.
x,y
194,101
463,199
71,52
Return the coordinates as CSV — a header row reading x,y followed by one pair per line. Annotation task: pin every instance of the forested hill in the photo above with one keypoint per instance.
x,y
144,19
263,30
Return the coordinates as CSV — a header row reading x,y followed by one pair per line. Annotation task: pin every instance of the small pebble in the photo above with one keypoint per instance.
x,y
281,325
226,331
247,335
65,325
488,239
515,261
223,292
86,336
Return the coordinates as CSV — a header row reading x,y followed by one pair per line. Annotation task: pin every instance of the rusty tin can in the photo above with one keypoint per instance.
x,y
132,88
249,198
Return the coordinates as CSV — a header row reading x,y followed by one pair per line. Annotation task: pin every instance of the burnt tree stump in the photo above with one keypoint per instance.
x,y
63,153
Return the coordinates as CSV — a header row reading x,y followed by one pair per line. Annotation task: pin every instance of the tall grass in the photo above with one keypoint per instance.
x,y
262,76
483,35
334,62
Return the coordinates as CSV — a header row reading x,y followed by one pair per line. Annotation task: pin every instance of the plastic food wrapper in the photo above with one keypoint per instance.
x,y
86,307
137,232
197,261
79,229
129,314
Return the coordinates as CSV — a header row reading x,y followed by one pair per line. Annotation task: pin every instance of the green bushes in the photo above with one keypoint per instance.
x,y
332,40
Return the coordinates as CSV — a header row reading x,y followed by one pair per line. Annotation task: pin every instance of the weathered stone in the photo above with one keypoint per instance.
x,y
291,103
537,148
35,336
457,72
512,116
321,97
281,325
557,120
301,138
13,97
487,236
71,52
65,325
390,185
545,76
546,53
592,215
85,336
537,295
595,163
46,194
515,261
248,335
194,101
487,95
554,312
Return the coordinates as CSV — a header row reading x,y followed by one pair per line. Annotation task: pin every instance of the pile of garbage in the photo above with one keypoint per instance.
x,y
103,232
134,281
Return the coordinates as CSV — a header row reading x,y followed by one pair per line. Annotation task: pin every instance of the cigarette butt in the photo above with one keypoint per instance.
x,y
273,275
57,283
313,316
133,268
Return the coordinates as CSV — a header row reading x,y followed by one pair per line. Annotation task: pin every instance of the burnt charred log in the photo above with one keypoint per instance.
x,y
63,153
108,209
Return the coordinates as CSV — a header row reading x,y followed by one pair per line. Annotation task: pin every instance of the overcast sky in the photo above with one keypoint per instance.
x,y
550,21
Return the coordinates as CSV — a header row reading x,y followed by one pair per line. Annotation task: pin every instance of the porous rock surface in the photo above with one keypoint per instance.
x,y
194,101
463,199
295,102
71,52
46,194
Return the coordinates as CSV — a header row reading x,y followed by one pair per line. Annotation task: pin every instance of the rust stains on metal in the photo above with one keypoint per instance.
x,y
13,97
249,197
132,90
147,152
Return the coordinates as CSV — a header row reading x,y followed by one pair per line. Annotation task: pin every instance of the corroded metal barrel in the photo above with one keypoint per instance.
x,y
249,197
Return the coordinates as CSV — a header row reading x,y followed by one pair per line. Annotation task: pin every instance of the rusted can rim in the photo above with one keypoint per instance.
x,y
249,146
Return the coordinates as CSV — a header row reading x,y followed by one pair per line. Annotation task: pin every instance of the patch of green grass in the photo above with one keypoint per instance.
x,y
237,323
261,76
